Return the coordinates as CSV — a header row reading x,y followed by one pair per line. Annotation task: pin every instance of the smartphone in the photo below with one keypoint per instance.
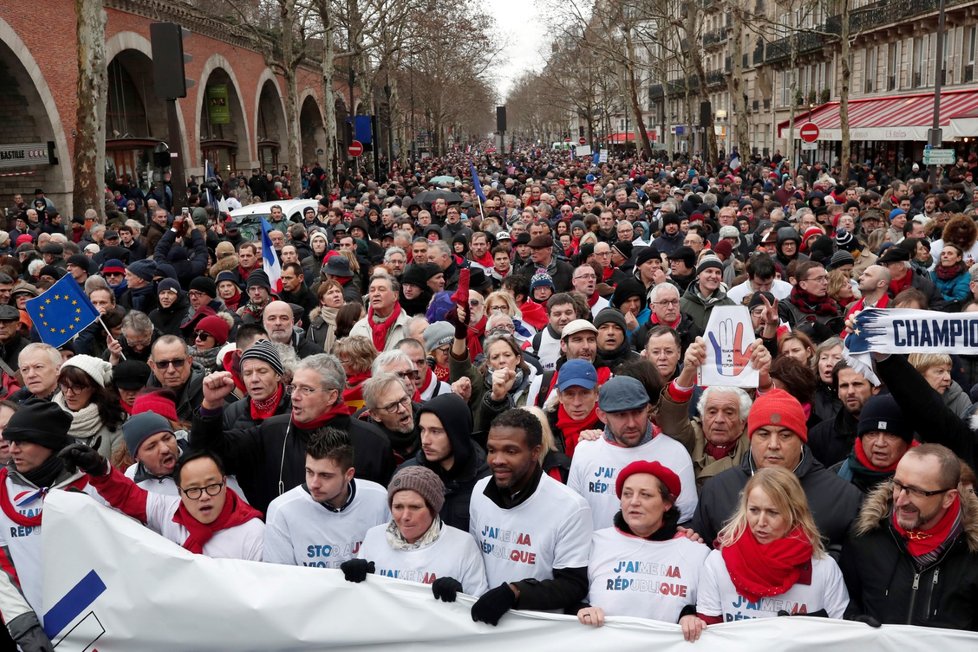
x,y
185,211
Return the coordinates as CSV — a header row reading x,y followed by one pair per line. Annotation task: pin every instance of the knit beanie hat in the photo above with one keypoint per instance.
x,y
541,279
626,289
160,402
168,284
225,276
131,374
707,263
624,248
113,265
882,413
415,275
205,285
144,269
438,334
611,316
264,350
645,255
258,278
777,408
141,427
422,480
216,327
668,477
97,369
40,422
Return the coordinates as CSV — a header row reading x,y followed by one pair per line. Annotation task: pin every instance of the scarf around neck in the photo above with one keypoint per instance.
x,y
340,409
47,481
761,571
380,329
85,422
397,541
261,410
926,545
571,429
810,304
235,512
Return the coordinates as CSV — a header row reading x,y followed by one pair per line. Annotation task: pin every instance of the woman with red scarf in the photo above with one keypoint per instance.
x,y
207,518
356,354
769,560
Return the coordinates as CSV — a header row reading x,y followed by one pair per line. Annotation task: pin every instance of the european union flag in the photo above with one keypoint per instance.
x,y
61,312
476,184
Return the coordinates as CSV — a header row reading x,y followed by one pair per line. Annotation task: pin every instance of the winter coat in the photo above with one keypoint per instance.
x,y
825,403
831,441
269,459
237,415
956,400
168,321
190,396
322,328
833,501
884,583
395,333
954,290
699,307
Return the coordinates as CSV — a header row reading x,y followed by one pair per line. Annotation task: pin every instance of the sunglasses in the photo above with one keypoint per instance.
x,y
201,335
176,363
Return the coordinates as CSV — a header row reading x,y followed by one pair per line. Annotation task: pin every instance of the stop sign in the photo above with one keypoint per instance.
x,y
355,149
582,140
809,132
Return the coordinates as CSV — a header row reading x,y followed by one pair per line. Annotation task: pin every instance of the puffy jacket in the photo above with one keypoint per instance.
x,y
833,501
954,290
884,583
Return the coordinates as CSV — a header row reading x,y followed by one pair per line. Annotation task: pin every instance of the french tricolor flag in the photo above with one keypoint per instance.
x,y
269,260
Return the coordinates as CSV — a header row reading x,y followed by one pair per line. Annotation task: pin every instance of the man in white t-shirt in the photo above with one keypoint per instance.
x,y
534,532
322,522
623,406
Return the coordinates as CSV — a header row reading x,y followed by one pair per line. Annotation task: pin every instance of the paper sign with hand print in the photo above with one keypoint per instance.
x,y
728,336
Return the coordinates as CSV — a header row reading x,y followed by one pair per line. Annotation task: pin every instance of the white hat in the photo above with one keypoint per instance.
x,y
97,369
578,326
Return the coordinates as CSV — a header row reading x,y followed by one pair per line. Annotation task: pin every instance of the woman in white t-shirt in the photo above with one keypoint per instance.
x,y
416,545
769,562
637,568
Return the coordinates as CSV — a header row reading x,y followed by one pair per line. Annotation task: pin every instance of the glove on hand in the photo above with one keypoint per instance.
x,y
84,457
493,604
356,570
446,589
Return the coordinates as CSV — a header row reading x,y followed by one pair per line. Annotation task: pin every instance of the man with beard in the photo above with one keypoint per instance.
x,y
831,441
447,448
533,531
613,347
279,322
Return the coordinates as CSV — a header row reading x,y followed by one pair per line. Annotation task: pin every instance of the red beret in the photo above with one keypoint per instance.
x,y
670,479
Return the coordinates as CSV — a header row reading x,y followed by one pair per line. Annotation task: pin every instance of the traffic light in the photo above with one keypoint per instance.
x,y
169,81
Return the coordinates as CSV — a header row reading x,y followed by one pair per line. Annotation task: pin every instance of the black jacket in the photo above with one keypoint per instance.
x,y
884,583
168,321
833,501
270,459
831,441
237,415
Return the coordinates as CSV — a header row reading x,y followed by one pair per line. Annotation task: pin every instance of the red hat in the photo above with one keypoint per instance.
x,y
216,327
777,408
670,479
156,402
812,231
24,238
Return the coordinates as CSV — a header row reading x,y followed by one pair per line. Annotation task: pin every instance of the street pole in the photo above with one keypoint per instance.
x,y
934,136
178,178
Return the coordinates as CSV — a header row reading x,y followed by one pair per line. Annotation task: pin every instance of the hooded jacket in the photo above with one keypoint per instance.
x,y
469,463
884,583
699,307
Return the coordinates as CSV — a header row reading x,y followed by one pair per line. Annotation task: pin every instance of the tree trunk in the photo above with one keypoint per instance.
x,y
633,97
88,167
329,98
845,78
289,65
735,87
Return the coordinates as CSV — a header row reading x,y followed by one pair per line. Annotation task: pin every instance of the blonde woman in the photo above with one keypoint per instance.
x,y
936,370
769,561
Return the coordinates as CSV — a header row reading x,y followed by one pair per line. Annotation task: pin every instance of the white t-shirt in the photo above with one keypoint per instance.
x,y
239,542
630,576
301,532
718,597
595,468
598,306
453,554
780,290
551,529
549,350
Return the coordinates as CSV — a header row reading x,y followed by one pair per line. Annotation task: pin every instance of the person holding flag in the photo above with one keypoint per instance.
x,y
62,312
269,260
477,188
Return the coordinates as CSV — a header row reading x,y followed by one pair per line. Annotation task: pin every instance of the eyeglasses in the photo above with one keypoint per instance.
x,y
501,329
667,302
196,492
395,407
176,363
73,389
303,390
406,375
588,276
201,335
915,492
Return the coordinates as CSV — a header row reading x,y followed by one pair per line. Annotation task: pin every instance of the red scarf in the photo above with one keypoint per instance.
x,y
379,330
485,261
607,273
353,394
126,407
338,410
865,461
898,285
442,373
919,542
267,409
571,429
233,302
17,517
760,571
674,326
719,452
236,512
809,304
593,299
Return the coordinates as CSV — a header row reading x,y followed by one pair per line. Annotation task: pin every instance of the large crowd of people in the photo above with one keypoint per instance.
x,y
493,389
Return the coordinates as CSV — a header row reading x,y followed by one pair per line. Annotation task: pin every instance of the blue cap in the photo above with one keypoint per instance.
x,y
577,373
621,394
897,211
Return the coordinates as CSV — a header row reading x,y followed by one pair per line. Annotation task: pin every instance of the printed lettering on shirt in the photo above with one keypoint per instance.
x,y
638,576
765,605
494,537
339,552
420,576
596,486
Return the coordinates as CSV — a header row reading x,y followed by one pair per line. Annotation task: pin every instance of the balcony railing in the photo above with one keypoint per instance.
x,y
715,78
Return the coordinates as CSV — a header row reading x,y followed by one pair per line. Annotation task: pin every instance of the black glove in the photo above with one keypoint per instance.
x,y
446,589
355,570
461,327
821,613
84,457
864,618
493,604
34,640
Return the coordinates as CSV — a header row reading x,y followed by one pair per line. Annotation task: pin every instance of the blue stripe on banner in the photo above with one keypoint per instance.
x,y
79,598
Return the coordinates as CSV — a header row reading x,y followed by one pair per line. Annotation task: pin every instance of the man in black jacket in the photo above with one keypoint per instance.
x,y
832,441
448,450
778,434
269,459
912,557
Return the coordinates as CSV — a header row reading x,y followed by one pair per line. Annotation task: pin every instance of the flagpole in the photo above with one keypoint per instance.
x,y
109,333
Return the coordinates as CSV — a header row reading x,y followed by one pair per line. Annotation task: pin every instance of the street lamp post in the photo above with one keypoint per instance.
x,y
934,136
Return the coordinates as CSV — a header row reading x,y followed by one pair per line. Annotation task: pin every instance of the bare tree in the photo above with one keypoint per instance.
x,y
88,167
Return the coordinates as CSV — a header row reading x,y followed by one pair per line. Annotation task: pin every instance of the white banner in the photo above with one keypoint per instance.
x,y
114,585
